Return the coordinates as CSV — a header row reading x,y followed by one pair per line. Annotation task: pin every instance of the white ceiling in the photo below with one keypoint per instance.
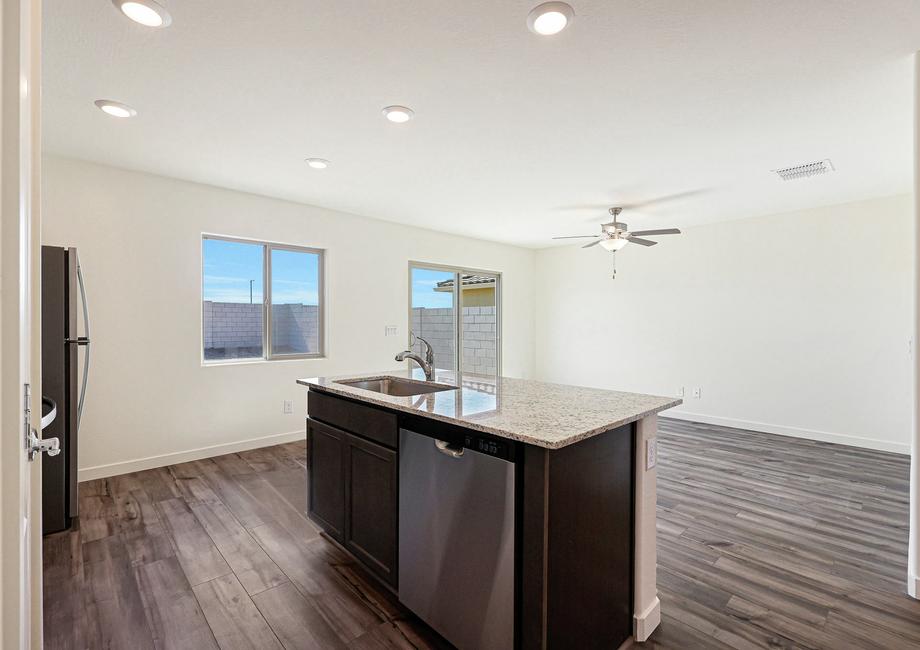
x,y
635,100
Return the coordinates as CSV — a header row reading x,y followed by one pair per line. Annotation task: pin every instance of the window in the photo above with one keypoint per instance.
x,y
458,312
260,300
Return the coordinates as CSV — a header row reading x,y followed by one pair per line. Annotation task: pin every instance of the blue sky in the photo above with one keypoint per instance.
x,y
229,266
423,293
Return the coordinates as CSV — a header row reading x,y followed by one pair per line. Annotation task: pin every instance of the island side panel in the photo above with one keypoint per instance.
x,y
577,543
533,533
647,607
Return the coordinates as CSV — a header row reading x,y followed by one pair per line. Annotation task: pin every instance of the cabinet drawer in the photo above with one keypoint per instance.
x,y
367,421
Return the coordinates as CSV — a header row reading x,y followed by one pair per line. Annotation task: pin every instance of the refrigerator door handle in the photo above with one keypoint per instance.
x,y
49,417
83,341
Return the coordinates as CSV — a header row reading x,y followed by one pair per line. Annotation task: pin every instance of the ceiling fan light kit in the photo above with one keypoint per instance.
x,y
616,234
613,244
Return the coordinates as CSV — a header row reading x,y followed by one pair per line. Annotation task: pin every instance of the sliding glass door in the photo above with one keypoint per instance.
x,y
434,315
479,324
458,312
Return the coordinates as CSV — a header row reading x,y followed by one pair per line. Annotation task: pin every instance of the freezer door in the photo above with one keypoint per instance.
x,y
71,369
57,386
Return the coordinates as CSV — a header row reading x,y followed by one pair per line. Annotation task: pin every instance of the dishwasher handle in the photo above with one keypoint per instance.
x,y
448,449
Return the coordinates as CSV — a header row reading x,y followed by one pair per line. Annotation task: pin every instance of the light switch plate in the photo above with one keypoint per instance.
x,y
697,393
390,330
287,407
651,453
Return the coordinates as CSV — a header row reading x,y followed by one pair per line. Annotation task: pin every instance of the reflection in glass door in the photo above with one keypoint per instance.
x,y
479,324
434,315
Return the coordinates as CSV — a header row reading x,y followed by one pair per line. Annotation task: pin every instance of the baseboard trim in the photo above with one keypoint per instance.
x,y
646,622
792,432
151,462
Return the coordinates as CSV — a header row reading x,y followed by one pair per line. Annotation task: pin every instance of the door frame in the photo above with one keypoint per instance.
x,y
20,480
458,271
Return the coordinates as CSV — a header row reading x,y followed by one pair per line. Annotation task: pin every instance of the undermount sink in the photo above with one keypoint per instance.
x,y
396,386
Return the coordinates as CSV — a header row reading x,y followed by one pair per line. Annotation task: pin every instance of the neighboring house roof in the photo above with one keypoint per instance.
x,y
466,282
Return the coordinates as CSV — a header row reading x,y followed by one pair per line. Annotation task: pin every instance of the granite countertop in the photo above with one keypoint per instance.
x,y
535,412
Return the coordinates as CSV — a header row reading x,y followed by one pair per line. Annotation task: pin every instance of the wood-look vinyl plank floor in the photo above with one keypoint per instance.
x,y
764,542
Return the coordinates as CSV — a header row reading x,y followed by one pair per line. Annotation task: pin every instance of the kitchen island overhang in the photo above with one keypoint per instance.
x,y
584,522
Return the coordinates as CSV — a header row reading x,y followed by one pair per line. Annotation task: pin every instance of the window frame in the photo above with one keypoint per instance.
x,y
458,271
267,248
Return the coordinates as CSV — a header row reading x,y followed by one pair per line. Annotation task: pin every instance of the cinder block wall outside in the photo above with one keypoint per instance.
x,y
230,326
478,345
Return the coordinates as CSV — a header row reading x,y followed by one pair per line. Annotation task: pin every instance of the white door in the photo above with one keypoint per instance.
x,y
19,411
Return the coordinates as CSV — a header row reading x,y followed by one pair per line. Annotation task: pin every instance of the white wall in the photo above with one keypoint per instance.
x,y
139,238
796,323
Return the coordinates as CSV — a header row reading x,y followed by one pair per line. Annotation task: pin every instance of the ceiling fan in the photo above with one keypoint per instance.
x,y
615,234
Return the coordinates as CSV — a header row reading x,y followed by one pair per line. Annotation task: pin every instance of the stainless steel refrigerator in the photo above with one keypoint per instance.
x,y
64,380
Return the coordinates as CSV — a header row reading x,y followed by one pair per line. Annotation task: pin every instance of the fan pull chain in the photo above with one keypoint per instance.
x,y
614,276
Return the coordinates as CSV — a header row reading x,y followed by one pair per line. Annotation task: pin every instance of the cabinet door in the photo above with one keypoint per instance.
x,y
372,498
326,451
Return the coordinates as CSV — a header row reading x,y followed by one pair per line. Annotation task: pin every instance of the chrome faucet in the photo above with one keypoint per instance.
x,y
426,363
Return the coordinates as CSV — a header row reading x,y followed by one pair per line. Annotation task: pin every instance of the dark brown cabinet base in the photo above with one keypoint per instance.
x,y
371,500
574,529
326,477
352,480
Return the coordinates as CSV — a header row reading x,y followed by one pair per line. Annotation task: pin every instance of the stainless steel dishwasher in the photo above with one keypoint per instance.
x,y
456,538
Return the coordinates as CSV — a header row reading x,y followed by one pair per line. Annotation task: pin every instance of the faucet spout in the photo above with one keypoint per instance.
x,y
426,366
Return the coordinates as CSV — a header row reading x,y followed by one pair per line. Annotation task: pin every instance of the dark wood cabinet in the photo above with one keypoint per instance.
x,y
326,464
371,500
353,479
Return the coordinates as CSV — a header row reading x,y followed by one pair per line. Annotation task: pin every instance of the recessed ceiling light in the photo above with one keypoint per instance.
x,y
145,12
317,163
115,109
398,114
550,18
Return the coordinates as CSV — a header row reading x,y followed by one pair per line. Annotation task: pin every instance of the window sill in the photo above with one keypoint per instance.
x,y
250,362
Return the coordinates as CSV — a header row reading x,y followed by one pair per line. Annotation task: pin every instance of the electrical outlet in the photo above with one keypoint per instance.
x,y
680,391
287,407
390,330
651,453
697,393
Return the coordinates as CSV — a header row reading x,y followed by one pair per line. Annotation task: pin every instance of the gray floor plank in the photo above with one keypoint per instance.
x,y
254,569
236,621
295,620
197,554
173,612
114,605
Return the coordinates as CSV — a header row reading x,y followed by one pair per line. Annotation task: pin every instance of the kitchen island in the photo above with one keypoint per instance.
x,y
506,513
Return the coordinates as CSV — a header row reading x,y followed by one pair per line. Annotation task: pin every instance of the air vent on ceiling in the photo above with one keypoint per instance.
x,y
806,170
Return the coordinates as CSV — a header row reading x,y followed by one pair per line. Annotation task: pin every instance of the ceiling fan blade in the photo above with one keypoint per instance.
x,y
594,243
642,242
576,236
665,199
662,231
594,207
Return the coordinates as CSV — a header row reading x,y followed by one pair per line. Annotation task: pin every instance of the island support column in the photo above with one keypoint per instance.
x,y
913,553
647,607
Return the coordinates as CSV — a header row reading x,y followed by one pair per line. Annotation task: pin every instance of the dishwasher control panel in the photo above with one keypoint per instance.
x,y
488,446
476,441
